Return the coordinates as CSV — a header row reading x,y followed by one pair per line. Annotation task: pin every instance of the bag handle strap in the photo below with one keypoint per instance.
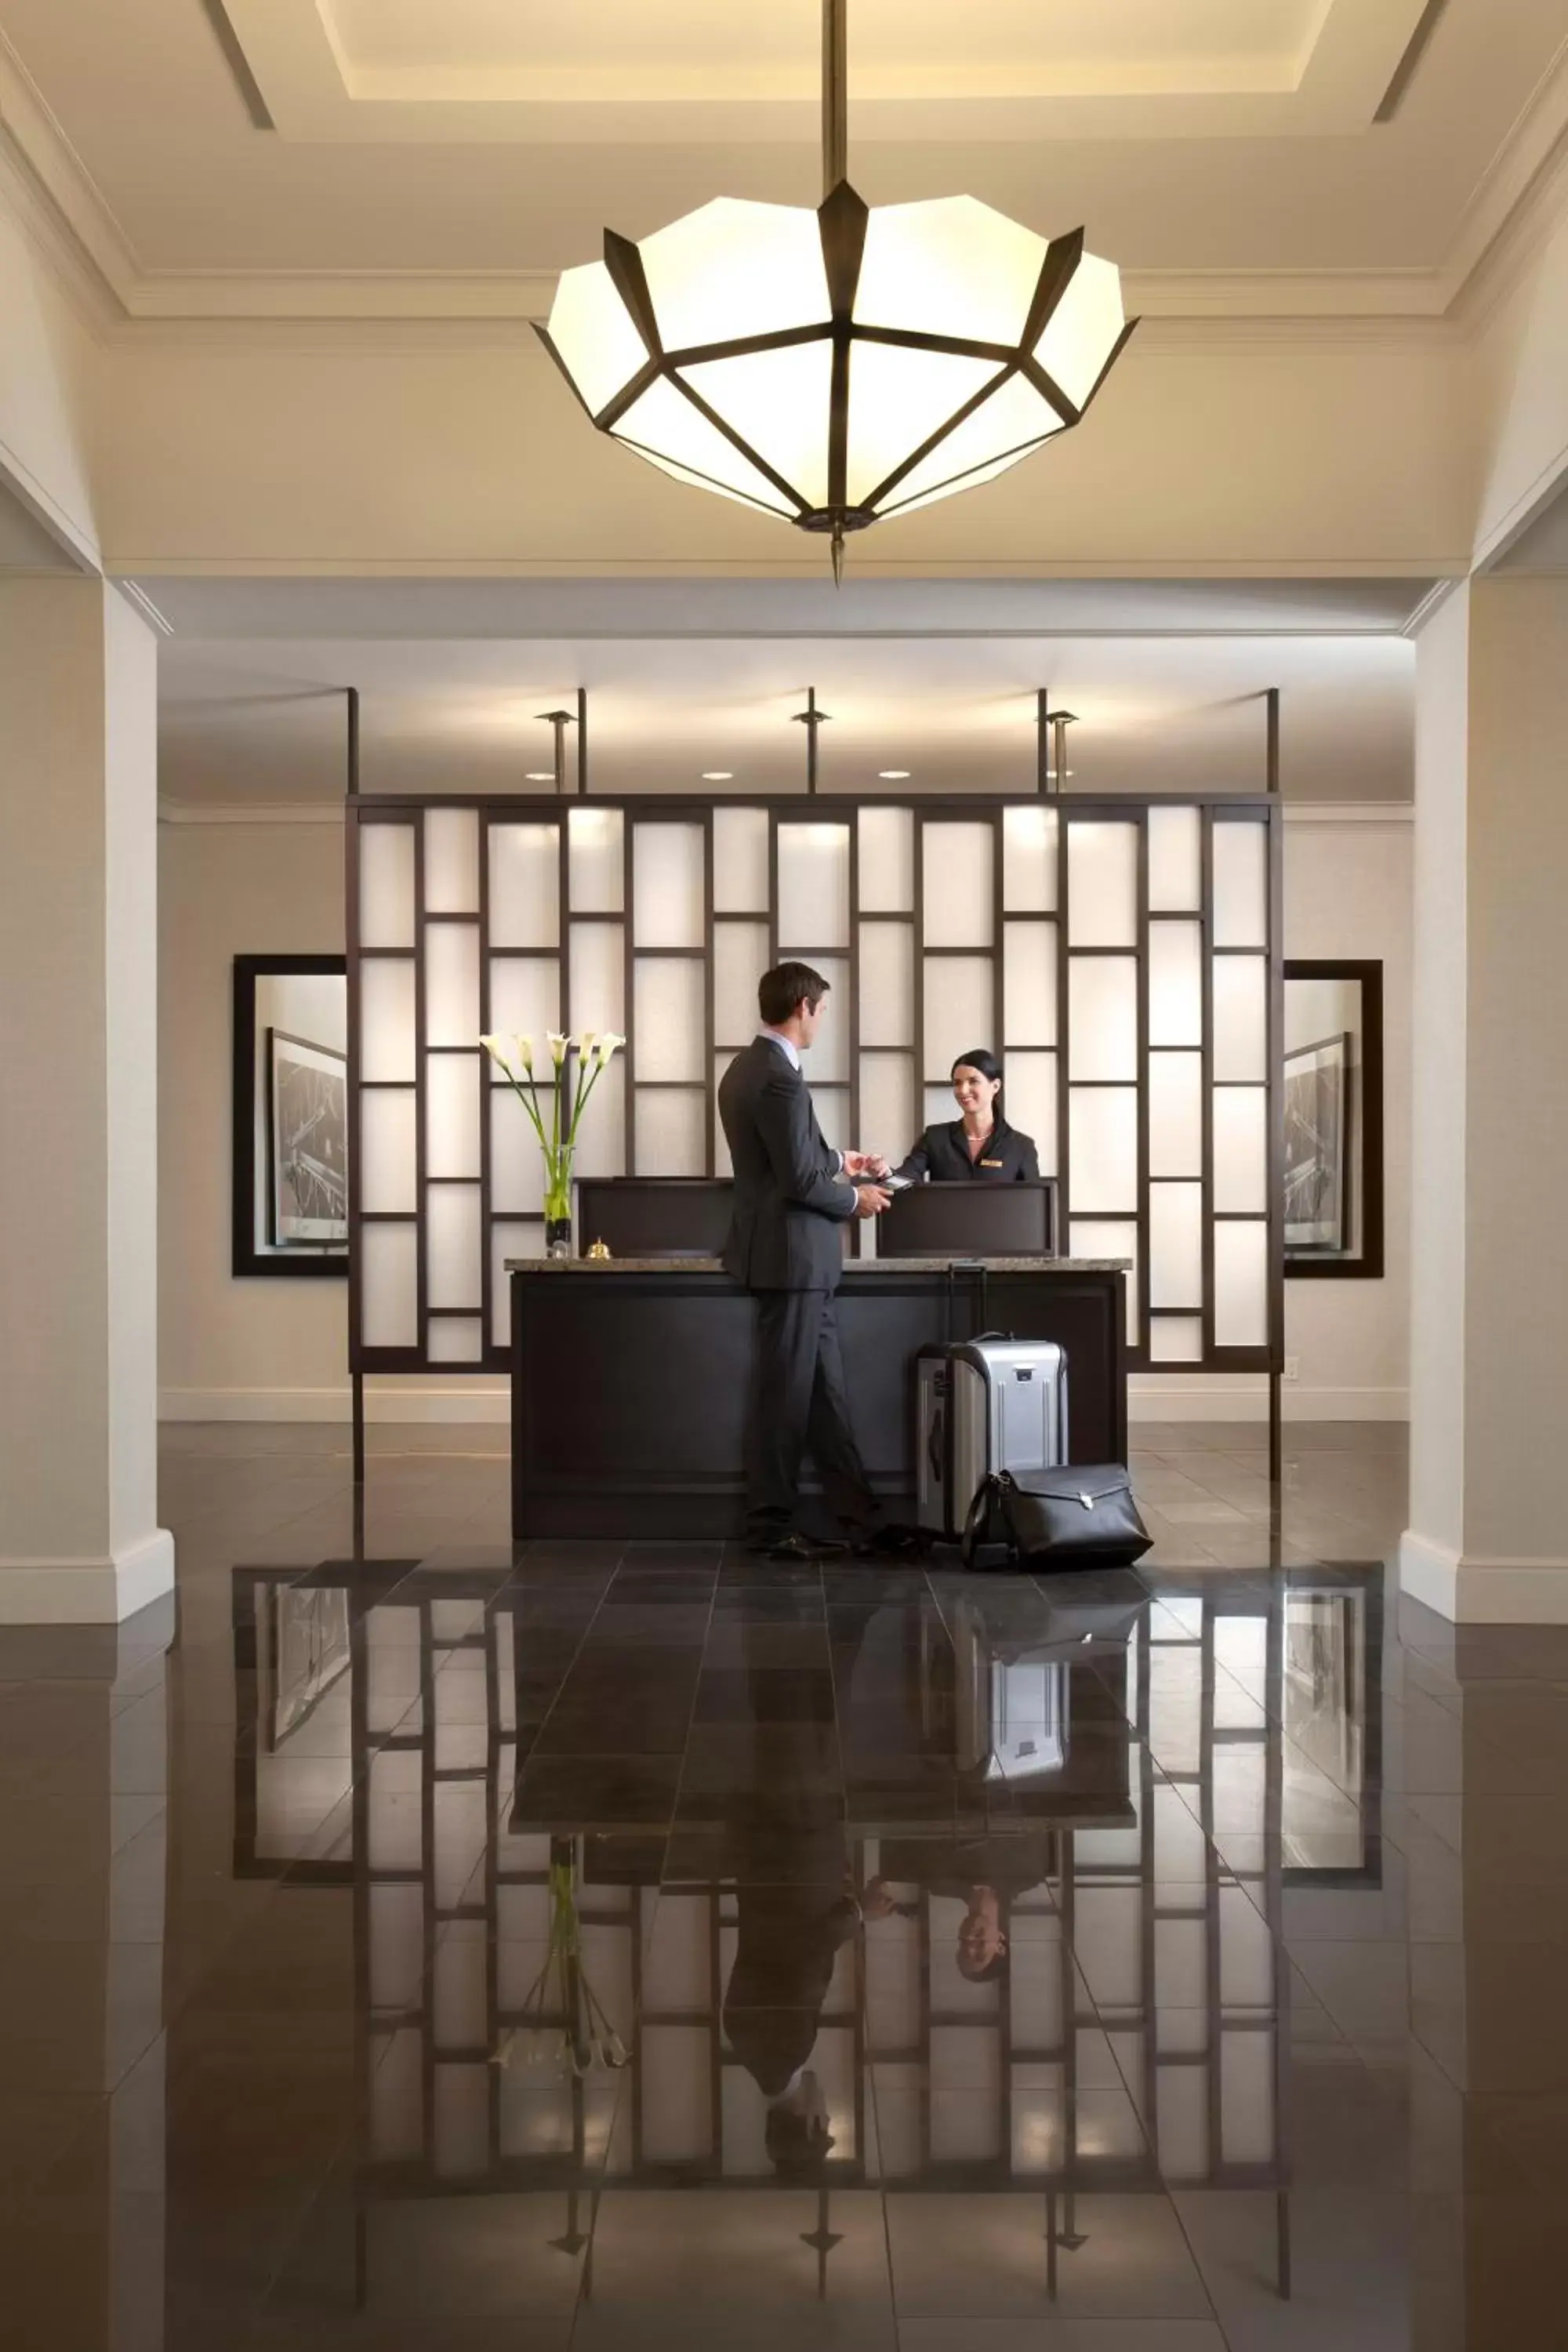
x,y
977,1516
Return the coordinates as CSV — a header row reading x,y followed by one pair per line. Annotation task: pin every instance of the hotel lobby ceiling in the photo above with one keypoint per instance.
x,y
451,158
259,719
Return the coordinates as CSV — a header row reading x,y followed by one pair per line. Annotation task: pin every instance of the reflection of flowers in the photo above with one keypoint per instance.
x,y
514,1056
565,2024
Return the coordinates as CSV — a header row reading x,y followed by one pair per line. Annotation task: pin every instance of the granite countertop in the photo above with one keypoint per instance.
x,y
853,1265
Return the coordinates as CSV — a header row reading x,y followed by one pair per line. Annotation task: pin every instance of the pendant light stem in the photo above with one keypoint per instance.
x,y
835,94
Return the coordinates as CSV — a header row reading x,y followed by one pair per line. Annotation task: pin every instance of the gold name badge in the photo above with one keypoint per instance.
x,y
992,1164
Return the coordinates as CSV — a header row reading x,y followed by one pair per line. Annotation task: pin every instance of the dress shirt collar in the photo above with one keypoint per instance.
x,y
786,1045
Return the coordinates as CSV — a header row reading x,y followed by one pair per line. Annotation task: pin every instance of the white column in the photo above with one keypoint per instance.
x,y
79,1540
1487,1538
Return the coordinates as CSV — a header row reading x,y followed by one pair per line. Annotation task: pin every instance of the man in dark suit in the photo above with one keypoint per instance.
x,y
792,1196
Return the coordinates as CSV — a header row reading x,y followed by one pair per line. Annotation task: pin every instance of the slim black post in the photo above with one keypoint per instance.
x,y
356,1379
582,742
351,693
811,719
1271,722
560,720
1042,741
1276,1438
835,95
356,1385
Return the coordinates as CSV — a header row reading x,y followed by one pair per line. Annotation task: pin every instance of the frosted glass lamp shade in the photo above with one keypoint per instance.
x,y
834,366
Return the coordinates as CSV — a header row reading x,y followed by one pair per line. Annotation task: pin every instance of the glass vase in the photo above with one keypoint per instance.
x,y
558,1218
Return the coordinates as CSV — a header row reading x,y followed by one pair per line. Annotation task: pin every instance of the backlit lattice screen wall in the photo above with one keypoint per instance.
x,y
1123,955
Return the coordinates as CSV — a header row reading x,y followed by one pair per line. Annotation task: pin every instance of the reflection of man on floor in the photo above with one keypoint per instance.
x,y
985,1874
789,1942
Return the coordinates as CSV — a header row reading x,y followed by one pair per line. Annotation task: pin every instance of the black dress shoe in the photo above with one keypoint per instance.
x,y
802,1547
895,1541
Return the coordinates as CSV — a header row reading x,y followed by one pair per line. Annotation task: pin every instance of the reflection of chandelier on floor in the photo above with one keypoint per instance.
x,y
836,366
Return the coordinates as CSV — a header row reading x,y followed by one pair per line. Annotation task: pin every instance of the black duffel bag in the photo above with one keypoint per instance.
x,y
1074,1517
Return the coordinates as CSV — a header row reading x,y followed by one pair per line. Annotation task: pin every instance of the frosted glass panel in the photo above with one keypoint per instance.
x,y
1241,1285
1111,1237
1175,1114
525,996
1241,1149
722,1163
667,885
1030,983
828,1063
595,856
1175,860
386,1171
386,886
1102,1017
452,1115
1175,984
451,983
957,883
389,1307
959,1011
672,1133
888,1118
1240,885
509,1241
452,1246
386,1019
887,861
455,1339
451,861
832,1107
525,886
1102,885
517,1164
887,983
1103,1173
1030,1096
1029,860
740,861
602,1137
1175,1245
814,888
740,960
1176,1340
598,974
937,1106
669,1026
1240,1017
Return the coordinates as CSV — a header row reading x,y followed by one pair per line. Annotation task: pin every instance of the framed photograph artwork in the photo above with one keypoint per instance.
x,y
307,1139
1317,1141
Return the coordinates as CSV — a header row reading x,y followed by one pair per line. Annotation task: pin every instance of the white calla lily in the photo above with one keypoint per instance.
x,y
525,1051
497,1047
556,1040
609,1046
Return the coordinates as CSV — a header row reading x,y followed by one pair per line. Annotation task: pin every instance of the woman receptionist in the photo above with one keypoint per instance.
x,y
980,1147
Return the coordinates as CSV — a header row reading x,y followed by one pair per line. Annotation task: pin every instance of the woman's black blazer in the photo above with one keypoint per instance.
x,y
941,1156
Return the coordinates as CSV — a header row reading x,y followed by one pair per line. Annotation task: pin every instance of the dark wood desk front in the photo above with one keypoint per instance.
x,y
630,1378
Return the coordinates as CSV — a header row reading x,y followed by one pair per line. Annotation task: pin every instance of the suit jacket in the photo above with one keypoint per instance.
x,y
789,1199
942,1156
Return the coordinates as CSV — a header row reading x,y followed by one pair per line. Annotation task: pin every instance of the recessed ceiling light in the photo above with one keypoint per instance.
x,y
894,775
539,776
718,775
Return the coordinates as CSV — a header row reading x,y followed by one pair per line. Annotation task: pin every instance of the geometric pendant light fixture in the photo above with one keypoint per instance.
x,y
832,367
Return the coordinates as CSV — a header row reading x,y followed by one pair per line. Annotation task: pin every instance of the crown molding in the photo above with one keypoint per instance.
x,y
172,812
1519,200
1358,813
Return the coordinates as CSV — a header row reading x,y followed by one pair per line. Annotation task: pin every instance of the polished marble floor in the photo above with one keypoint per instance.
x,y
407,1943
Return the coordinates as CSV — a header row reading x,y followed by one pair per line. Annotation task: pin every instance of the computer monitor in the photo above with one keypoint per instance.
x,y
654,1216
971,1219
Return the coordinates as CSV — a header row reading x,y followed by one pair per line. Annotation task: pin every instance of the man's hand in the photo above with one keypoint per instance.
x,y
866,1163
870,1201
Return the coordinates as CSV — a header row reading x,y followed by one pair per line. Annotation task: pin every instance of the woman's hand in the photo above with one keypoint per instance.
x,y
866,1163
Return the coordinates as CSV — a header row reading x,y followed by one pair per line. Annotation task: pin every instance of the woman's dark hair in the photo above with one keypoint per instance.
x,y
781,990
981,1059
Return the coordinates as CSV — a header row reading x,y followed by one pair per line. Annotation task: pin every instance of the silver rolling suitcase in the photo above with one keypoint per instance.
x,y
984,1405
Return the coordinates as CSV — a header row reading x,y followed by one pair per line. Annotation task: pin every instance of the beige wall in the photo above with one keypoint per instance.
x,y
50,366
1348,894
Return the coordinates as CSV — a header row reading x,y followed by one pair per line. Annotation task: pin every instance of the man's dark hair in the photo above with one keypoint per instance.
x,y
781,990
797,2146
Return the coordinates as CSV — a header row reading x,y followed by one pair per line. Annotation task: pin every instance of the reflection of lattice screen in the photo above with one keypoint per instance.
x,y
1121,955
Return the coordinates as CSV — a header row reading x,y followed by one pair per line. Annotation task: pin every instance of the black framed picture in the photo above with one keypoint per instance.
x,y
1317,1141
291,1175
307,1142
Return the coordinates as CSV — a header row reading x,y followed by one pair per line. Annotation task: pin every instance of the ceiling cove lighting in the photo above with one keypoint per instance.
x,y
718,775
832,367
893,775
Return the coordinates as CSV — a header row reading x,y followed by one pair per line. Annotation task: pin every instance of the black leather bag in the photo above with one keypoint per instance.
x,y
1074,1517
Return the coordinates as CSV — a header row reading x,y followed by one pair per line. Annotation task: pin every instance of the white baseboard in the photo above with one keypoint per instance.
x,y
87,1591
1190,1396
1475,1591
445,1401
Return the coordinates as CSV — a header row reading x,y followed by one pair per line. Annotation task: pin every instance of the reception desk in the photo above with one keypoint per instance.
x,y
630,1378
